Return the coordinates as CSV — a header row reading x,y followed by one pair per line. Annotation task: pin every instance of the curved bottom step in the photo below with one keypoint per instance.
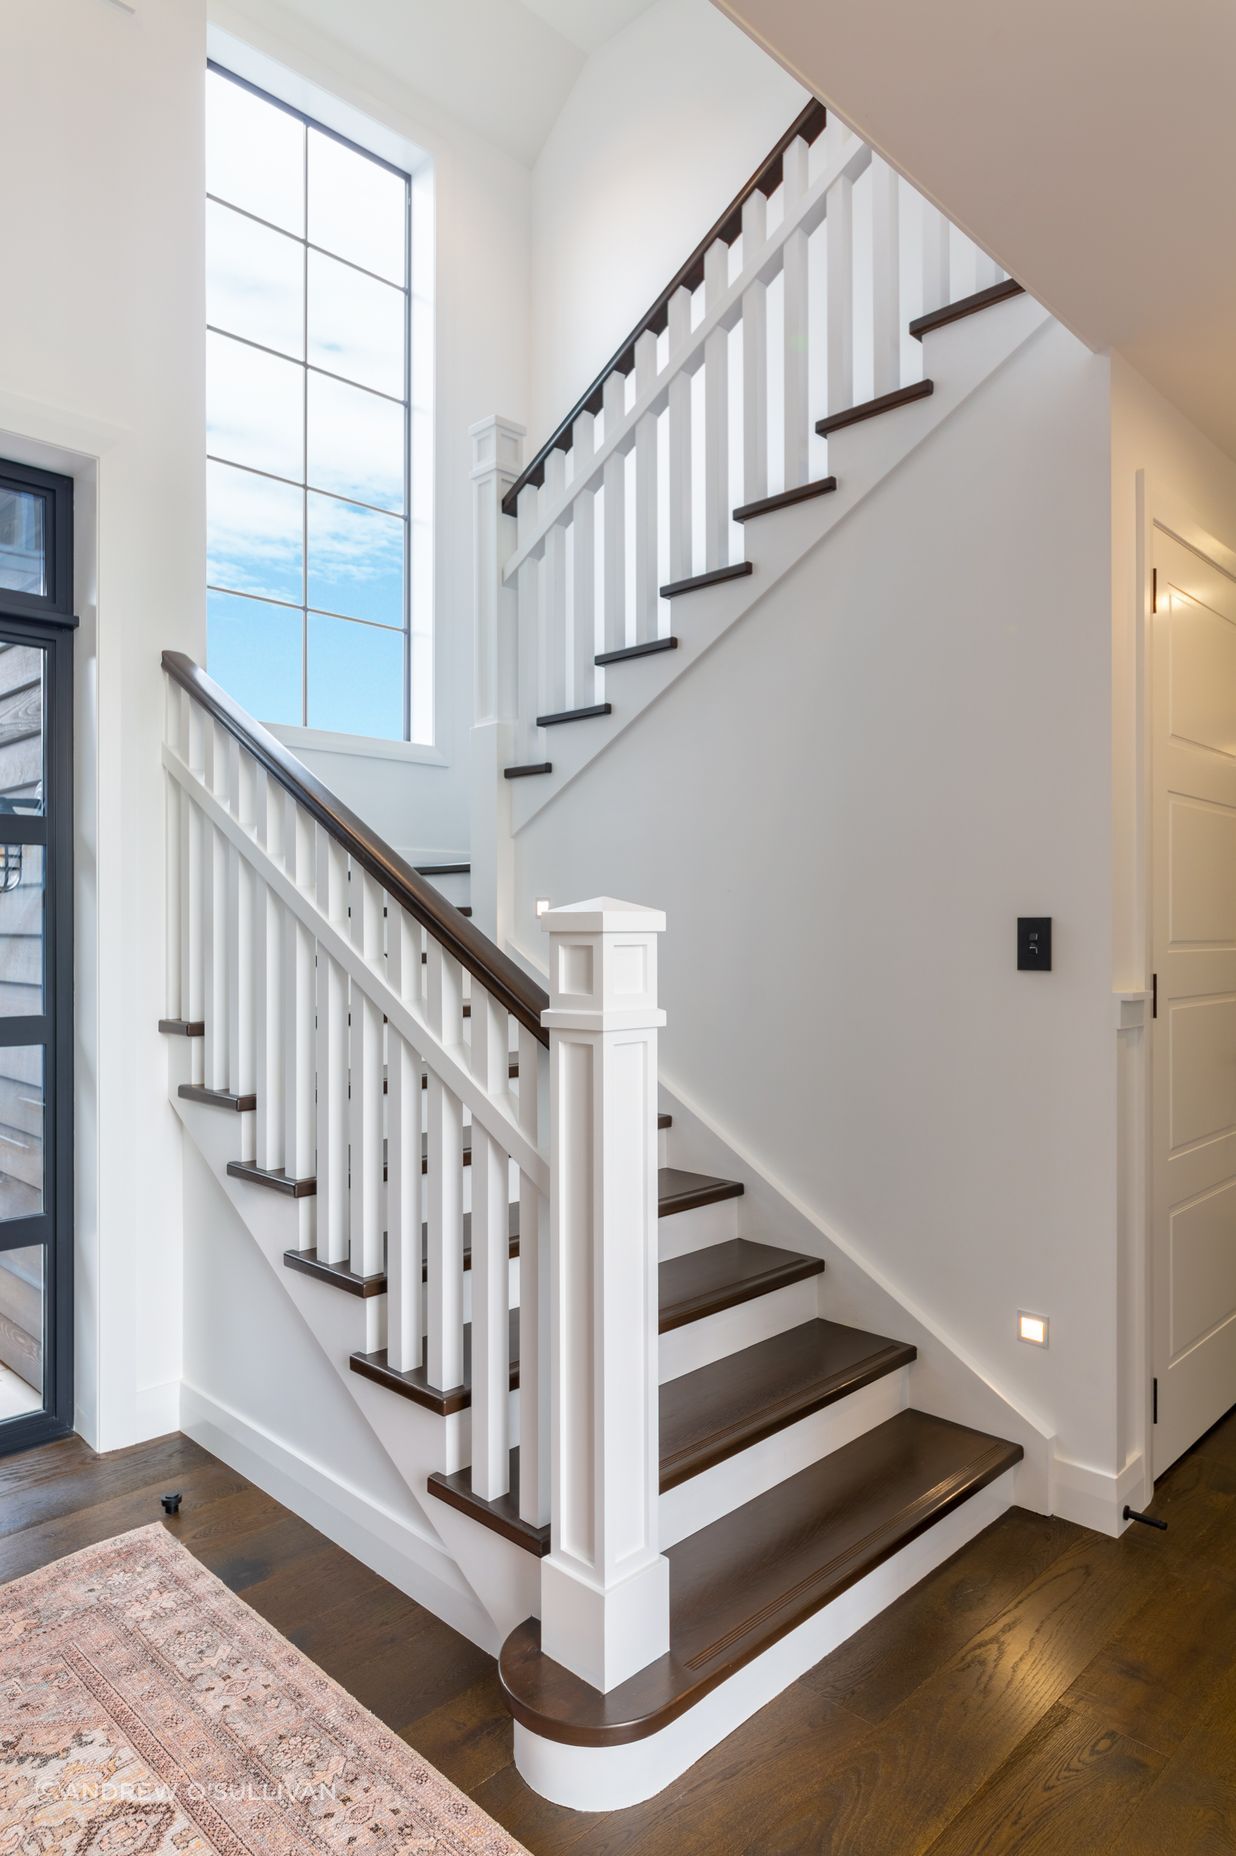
x,y
756,1598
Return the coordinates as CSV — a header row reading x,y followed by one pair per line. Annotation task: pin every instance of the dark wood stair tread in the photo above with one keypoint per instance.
x,y
706,1281
684,1192
444,869
217,1098
647,649
523,773
965,306
742,1583
574,715
871,409
182,1027
718,1410
695,583
785,499
691,1287
339,1275
710,1414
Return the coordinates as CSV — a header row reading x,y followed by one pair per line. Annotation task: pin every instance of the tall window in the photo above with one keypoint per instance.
x,y
308,421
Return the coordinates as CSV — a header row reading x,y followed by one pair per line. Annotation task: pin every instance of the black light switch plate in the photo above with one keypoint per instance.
x,y
1034,943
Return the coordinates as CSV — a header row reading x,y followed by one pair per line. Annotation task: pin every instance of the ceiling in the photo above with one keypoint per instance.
x,y
1089,145
504,68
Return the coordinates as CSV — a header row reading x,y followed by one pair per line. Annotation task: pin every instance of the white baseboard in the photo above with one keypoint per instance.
x,y
1095,1497
609,1778
384,1541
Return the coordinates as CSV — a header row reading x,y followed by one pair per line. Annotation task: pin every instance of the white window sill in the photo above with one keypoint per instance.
x,y
363,747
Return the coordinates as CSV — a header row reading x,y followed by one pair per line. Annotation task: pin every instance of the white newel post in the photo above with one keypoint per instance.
x,y
605,1583
497,458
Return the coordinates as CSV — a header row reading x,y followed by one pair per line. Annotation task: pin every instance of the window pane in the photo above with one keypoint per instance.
x,y
255,281
254,407
254,650
21,1132
22,1287
355,443
356,325
255,154
23,543
356,208
355,561
21,728
356,678
21,930
255,533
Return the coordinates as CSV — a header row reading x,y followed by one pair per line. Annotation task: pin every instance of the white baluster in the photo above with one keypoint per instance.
x,y
444,1161
241,770
614,517
298,1000
331,1058
193,872
717,509
405,1338
583,681
936,280
528,594
647,577
605,1584
986,271
680,486
365,1193
885,276
174,852
534,1378
268,978
491,1363
754,355
796,415
214,1045
839,231
553,626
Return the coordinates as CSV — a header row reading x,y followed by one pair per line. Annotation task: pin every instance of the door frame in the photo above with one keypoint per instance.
x,y
49,621
1156,510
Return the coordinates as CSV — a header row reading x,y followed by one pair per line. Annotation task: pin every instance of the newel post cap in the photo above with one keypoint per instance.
x,y
497,444
603,915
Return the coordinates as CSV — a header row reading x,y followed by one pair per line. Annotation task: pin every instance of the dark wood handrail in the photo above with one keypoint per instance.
x,y
488,965
767,177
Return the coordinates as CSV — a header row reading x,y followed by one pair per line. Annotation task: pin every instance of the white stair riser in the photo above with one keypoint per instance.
x,y
610,1778
717,1336
760,1467
682,1232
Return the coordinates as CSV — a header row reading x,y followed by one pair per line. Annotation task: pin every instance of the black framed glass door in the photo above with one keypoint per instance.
x,y
36,956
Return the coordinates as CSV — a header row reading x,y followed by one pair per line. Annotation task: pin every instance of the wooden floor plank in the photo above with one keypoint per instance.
x,y
1060,1789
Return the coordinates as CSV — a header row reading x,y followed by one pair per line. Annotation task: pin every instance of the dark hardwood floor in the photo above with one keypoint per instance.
x,y
1047,1690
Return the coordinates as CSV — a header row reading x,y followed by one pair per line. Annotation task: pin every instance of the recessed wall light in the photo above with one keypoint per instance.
x,y
542,903
1032,1328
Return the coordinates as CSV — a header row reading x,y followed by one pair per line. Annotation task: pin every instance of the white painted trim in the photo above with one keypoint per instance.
x,y
373,1533
361,747
609,1778
157,1409
1095,1498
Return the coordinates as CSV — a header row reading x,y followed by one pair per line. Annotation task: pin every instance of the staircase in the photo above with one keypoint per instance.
x,y
667,1479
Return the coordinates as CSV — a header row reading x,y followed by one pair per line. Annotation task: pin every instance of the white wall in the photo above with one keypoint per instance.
x,y
101,374
664,124
481,335
843,809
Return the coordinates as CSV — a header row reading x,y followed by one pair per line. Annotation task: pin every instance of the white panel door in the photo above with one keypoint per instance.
x,y
1194,1032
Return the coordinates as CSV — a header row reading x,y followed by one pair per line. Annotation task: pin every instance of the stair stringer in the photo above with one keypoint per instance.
x,y
960,357
496,1578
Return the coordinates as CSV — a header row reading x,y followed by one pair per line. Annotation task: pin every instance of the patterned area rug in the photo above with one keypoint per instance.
x,y
144,1708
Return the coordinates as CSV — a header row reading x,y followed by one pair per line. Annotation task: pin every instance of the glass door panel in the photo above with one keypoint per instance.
x,y
36,1030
